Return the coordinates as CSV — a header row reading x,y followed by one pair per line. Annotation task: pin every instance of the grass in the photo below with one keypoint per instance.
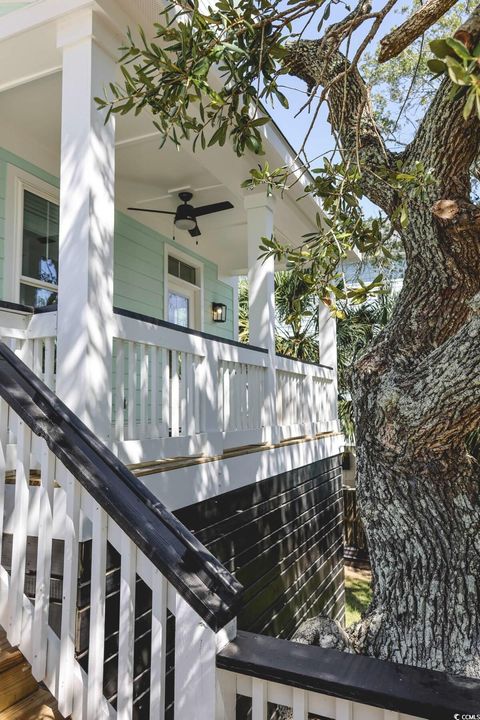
x,y
358,593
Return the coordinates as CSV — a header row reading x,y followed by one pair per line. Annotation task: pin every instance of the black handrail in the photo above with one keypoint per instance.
x,y
379,683
194,572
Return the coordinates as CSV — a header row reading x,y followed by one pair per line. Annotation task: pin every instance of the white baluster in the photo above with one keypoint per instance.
x,y
243,397
49,377
120,390
259,699
165,391
20,525
189,395
4,411
195,674
183,394
44,563
126,632
143,369
221,394
3,449
227,398
154,399
96,645
197,396
38,358
159,649
343,709
226,696
300,704
132,392
175,395
69,596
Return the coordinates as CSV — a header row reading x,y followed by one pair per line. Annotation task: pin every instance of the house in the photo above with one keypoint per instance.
x,y
170,498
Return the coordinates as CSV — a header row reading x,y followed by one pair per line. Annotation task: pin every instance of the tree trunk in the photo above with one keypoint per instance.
x,y
416,396
417,390
422,521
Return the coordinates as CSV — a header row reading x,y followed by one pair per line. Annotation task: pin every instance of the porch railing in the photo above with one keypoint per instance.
x,y
177,392
167,646
306,402
280,679
69,487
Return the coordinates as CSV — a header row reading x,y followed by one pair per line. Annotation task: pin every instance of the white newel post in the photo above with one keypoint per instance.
x,y
327,346
261,295
85,299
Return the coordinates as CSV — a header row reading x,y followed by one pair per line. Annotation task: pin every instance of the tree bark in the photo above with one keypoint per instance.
x,y
405,34
417,389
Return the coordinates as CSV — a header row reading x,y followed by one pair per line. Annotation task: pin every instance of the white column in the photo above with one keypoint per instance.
x,y
261,294
327,347
85,299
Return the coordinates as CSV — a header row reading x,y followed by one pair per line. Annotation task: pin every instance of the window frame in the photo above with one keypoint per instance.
x,y
195,293
19,181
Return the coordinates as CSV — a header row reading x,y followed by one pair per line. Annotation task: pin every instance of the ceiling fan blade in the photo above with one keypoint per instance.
x,y
195,232
161,212
213,208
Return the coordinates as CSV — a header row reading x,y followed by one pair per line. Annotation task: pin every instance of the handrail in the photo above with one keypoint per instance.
x,y
305,362
194,572
403,688
188,331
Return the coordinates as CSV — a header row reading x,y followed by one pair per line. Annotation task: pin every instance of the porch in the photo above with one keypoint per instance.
x,y
180,393
172,648
136,350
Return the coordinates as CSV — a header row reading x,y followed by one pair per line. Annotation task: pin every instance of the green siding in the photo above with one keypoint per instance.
x,y
138,271
139,255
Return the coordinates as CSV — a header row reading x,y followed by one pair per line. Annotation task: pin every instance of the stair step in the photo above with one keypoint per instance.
x,y
9,657
16,683
37,706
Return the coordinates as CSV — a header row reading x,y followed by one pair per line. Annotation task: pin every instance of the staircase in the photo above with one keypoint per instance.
x,y
21,697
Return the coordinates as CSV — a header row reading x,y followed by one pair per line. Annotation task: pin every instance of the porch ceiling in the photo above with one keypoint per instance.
x,y
30,126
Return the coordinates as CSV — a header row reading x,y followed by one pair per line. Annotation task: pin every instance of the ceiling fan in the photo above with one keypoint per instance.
x,y
186,215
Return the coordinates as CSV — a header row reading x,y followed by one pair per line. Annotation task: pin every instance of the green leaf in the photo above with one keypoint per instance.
x,y
459,49
234,48
260,121
457,73
438,67
440,48
468,107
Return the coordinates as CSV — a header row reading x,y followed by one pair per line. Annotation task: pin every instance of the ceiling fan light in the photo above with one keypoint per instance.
x,y
185,218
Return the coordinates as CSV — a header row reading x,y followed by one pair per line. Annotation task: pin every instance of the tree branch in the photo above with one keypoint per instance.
x,y
320,64
469,32
401,37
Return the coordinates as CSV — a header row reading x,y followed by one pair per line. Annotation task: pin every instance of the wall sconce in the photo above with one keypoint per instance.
x,y
219,312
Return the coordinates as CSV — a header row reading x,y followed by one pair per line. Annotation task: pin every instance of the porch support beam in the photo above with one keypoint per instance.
x,y
261,294
85,299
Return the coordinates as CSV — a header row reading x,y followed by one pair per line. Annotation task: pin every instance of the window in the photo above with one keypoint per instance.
x,y
181,270
183,289
32,239
178,309
39,270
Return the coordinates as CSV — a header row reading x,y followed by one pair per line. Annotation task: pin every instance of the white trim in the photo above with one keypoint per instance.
x,y
195,292
18,181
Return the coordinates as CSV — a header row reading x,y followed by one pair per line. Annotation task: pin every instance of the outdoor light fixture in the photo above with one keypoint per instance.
x,y
219,312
